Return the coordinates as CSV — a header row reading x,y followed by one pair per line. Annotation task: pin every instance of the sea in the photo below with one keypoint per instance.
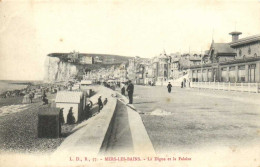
x,y
9,85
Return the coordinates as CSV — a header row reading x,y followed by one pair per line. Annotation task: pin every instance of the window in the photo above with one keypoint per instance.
x,y
240,52
165,74
232,74
210,75
224,74
241,74
204,75
199,75
251,73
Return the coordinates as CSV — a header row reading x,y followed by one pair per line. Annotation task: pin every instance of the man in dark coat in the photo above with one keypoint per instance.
x,y
100,104
61,119
169,86
87,113
31,96
130,90
44,98
70,117
61,116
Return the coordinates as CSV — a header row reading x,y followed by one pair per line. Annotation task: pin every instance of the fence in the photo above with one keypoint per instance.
x,y
242,87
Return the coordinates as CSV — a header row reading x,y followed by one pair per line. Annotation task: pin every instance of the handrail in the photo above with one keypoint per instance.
x,y
242,87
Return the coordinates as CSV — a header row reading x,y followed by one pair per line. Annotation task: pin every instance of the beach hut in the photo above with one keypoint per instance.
x,y
76,86
85,83
84,86
68,99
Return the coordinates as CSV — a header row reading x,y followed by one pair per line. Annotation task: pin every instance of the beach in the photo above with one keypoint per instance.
x,y
7,85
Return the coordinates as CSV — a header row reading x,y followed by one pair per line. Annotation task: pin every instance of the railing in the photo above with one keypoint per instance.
x,y
242,87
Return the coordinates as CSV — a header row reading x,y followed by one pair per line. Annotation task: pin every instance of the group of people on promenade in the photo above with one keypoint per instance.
x,y
129,87
70,117
183,85
86,114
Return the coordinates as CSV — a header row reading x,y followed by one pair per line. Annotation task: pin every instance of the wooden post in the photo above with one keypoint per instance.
x,y
228,86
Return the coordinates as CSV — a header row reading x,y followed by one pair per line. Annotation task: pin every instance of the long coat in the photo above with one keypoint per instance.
x,y
130,88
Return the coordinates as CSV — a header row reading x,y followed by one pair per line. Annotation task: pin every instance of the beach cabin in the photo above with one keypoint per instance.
x,y
112,84
84,86
76,86
67,99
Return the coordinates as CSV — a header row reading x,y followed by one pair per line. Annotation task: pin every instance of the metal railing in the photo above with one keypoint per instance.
x,y
242,87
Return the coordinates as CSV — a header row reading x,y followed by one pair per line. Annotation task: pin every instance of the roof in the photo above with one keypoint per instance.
x,y
111,80
206,52
235,33
68,97
247,40
175,60
86,82
222,48
195,58
237,61
244,60
47,110
163,56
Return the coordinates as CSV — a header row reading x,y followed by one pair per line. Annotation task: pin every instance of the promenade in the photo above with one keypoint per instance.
x,y
194,119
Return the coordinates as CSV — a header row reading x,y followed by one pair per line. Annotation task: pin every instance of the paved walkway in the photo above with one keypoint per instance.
x,y
188,119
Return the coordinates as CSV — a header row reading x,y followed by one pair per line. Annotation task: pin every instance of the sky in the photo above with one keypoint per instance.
x,y
29,30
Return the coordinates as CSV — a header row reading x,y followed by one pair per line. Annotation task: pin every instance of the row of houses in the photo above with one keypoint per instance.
x,y
235,61
115,72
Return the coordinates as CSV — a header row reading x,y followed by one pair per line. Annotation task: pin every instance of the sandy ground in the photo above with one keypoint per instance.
x,y
193,119
18,132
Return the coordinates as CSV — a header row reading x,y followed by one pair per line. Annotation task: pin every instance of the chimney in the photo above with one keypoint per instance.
x,y
235,35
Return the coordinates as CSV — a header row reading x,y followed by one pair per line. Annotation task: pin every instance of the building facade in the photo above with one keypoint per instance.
x,y
237,61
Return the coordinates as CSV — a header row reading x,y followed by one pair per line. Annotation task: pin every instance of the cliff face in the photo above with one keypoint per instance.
x,y
63,66
58,70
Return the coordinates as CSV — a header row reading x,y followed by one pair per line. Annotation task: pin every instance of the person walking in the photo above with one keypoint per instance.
x,y
44,99
100,104
184,82
130,90
105,102
169,86
31,97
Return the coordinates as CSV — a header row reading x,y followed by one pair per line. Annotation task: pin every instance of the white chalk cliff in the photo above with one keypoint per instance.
x,y
58,70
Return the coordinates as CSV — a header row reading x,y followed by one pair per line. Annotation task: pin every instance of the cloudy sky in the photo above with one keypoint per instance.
x,y
29,30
